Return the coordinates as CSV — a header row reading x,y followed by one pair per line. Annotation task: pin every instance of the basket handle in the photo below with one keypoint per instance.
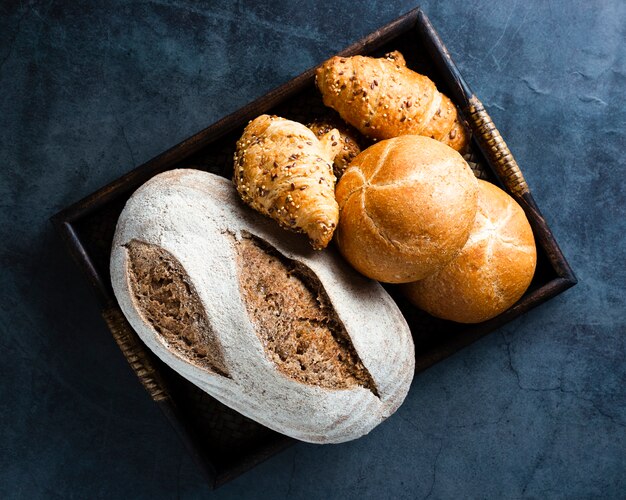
x,y
495,148
135,353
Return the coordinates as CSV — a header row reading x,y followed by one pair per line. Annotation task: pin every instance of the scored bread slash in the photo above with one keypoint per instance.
x,y
289,337
295,319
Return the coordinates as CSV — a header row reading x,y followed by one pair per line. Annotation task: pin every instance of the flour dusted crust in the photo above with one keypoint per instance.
x,y
197,218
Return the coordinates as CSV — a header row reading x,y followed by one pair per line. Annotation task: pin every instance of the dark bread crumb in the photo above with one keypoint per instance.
x,y
295,320
167,300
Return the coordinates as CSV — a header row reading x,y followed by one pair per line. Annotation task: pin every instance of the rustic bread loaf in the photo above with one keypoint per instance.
x,y
287,336
492,271
406,207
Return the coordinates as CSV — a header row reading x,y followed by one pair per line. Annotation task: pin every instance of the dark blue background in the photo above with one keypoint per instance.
x,y
88,90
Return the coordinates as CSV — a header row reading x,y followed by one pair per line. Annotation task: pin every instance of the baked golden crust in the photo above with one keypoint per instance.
x,y
283,171
344,146
383,98
493,270
406,208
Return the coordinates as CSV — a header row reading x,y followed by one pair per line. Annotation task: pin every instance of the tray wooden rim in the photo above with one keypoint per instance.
x,y
65,220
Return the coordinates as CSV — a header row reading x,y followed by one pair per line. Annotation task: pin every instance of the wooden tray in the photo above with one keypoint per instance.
x,y
225,443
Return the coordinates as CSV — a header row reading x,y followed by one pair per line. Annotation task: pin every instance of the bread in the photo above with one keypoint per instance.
x,y
287,336
493,270
406,208
382,98
282,170
346,142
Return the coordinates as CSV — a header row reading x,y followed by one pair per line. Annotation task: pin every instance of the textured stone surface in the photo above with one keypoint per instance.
x,y
537,409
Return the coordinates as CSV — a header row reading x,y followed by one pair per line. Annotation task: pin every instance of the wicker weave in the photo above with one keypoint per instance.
x,y
499,154
136,353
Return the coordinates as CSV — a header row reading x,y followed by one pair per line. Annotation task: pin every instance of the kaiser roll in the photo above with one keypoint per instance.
x,y
492,271
407,206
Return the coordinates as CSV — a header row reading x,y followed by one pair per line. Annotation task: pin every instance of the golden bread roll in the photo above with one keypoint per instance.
x,y
383,98
282,170
492,271
407,206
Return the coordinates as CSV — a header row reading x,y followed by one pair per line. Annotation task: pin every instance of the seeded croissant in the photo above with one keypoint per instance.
x,y
346,142
383,98
284,171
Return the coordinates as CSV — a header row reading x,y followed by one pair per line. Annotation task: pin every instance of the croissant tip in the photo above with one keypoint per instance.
x,y
321,234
